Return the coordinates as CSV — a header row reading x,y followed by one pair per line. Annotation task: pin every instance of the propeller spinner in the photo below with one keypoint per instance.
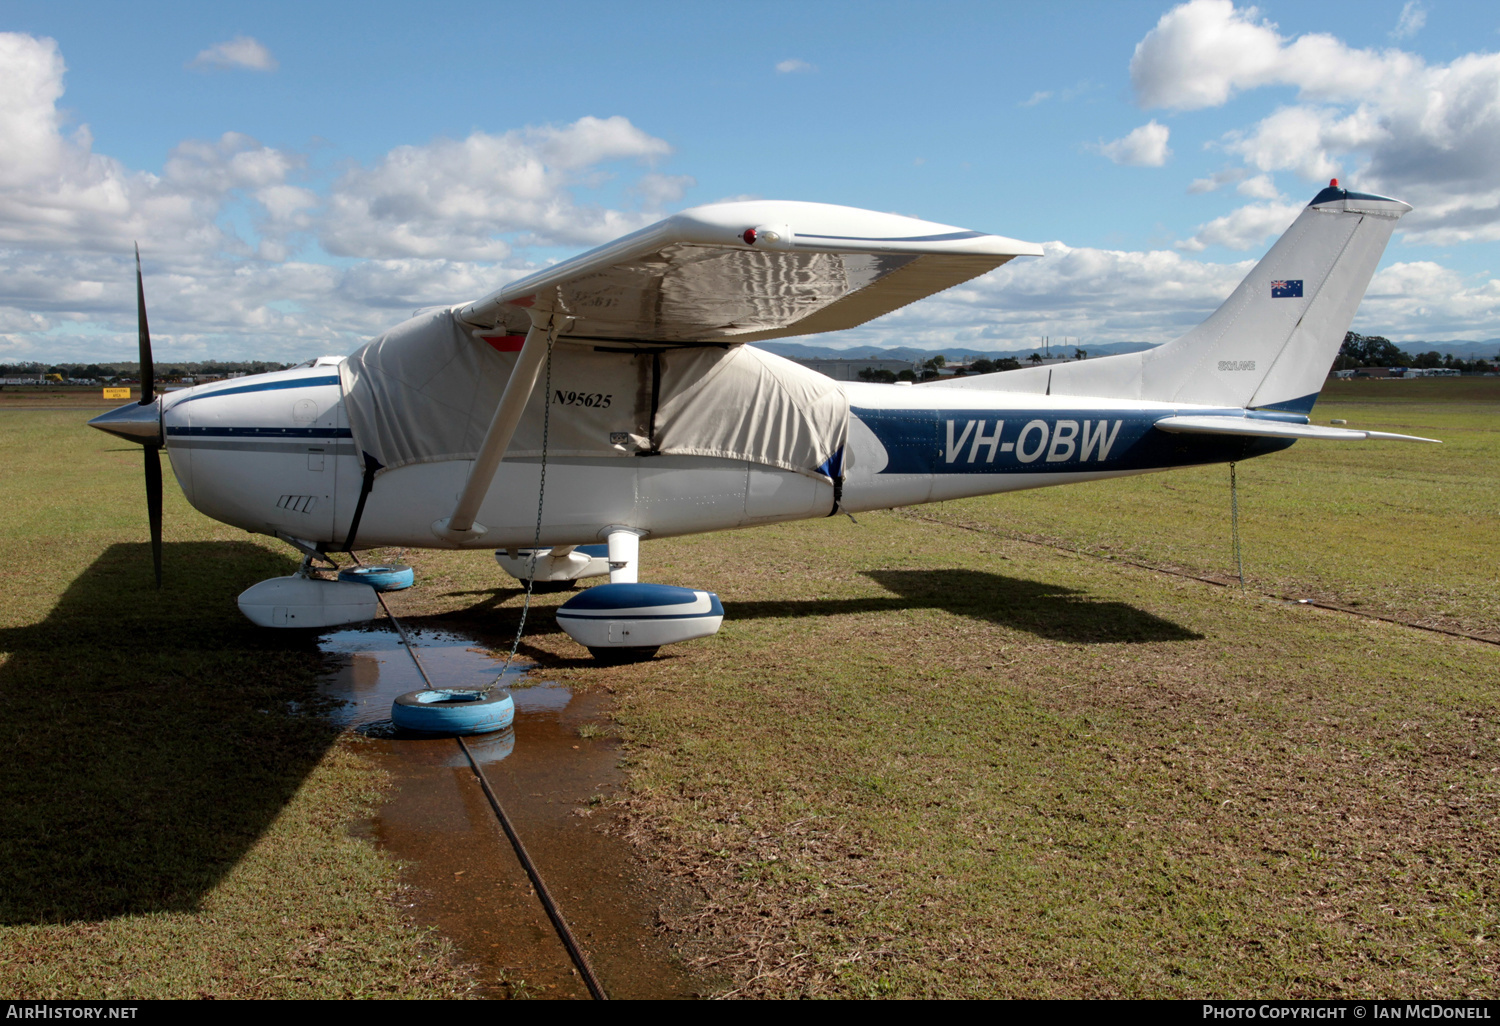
x,y
141,421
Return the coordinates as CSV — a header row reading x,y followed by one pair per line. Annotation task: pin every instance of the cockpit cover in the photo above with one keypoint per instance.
x,y
426,390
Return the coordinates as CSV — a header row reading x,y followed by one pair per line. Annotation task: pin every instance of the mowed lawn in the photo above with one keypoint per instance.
x,y
1396,527
921,758
174,816
925,759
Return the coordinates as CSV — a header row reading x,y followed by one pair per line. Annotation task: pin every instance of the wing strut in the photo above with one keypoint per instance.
x,y
460,526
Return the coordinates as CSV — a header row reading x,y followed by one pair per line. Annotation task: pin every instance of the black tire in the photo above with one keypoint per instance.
x,y
621,656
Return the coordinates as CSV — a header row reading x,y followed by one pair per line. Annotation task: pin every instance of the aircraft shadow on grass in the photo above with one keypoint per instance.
x,y
1036,607
1041,608
147,735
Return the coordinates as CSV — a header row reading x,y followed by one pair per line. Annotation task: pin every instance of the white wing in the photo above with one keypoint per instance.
x,y
743,272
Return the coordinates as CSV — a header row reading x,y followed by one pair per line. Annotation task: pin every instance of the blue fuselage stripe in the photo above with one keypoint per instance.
x,y
257,432
264,386
1045,441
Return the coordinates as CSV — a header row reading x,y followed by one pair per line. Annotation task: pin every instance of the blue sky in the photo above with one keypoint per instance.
x,y
302,175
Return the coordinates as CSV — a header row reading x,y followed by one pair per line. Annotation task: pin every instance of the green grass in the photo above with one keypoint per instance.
x,y
175,820
925,760
919,759
1021,773
1393,527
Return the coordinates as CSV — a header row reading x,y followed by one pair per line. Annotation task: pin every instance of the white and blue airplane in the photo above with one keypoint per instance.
x,y
618,396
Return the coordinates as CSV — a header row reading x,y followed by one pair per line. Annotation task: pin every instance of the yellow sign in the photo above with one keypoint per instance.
x,y
117,393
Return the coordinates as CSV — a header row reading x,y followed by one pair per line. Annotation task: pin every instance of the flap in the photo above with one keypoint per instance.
x,y
742,272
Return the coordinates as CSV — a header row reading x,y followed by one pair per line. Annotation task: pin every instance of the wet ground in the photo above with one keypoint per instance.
x,y
554,772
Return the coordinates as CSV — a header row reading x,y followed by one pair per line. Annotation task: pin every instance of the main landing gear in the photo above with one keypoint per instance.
x,y
623,621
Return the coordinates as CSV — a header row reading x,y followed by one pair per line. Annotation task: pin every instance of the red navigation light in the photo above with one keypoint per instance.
x,y
1334,184
749,236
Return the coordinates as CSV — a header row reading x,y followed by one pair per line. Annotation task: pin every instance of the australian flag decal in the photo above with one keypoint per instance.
x,y
1286,289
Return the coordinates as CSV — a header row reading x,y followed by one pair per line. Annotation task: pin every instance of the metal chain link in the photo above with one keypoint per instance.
x,y
1234,525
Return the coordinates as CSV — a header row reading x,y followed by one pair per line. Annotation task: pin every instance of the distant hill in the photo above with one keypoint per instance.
x,y
801,351
1461,349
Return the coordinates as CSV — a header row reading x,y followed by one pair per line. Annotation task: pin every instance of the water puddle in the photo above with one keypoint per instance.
x,y
554,771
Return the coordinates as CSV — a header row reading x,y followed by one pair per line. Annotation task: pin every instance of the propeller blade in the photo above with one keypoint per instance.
x,y
148,396
153,505
148,369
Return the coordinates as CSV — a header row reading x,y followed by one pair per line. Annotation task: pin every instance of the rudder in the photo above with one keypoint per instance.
x,y
1271,343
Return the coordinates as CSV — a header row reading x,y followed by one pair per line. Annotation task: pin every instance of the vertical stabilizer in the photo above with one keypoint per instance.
x,y
1272,341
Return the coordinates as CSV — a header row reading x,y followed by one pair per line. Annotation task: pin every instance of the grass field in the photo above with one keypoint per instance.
x,y
1393,527
174,819
921,758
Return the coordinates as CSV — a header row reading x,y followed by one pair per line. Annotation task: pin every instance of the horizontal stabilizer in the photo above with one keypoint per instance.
x,y
1248,427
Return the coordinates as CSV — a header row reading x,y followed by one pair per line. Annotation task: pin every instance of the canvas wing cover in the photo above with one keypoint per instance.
x,y
650,355
425,391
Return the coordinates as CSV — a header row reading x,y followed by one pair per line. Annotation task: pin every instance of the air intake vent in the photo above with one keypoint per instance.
x,y
297,503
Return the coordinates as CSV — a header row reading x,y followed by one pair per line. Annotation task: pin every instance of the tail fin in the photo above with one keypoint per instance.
x,y
1272,342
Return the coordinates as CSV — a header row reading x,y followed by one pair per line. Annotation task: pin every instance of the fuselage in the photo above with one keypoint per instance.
x,y
274,454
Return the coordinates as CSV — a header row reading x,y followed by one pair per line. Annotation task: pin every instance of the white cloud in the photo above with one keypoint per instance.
x,y
1036,98
230,227
1144,147
1245,228
660,191
239,52
55,192
1383,121
224,225
31,76
1201,52
1096,295
1259,187
455,198
1413,17
793,65
1100,296
1216,181
1426,301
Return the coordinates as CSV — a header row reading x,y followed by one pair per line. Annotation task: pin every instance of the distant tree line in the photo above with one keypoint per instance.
x,y
931,370
1377,351
132,370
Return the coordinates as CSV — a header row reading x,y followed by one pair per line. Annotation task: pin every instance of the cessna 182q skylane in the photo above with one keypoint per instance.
x,y
656,418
